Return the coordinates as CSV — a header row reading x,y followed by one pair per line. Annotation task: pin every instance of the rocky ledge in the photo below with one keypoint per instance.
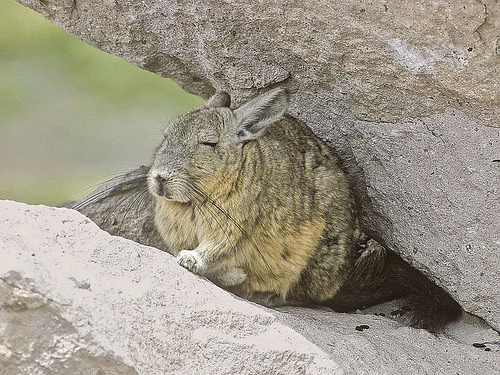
x,y
77,300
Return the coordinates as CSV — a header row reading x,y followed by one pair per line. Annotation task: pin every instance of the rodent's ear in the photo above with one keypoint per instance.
x,y
220,99
253,117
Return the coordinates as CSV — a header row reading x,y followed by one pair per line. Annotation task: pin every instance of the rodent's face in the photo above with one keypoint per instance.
x,y
197,148
203,148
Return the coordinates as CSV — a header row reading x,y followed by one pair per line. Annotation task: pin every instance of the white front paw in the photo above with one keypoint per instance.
x,y
192,261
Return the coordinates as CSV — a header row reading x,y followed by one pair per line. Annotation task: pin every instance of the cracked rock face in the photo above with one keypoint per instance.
x,y
36,339
407,92
76,300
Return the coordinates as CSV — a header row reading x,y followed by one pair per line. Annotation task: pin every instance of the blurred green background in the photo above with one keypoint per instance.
x,y
72,116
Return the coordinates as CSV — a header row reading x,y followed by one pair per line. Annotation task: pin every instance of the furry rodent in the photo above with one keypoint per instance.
x,y
253,200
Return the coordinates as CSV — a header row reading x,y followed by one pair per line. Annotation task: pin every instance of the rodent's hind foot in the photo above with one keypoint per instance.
x,y
268,299
231,277
192,261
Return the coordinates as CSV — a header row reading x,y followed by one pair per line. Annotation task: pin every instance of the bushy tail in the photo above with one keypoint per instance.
x,y
380,275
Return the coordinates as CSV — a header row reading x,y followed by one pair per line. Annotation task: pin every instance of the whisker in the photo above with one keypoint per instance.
x,y
144,200
220,210
218,222
203,199
131,205
118,205
129,183
93,198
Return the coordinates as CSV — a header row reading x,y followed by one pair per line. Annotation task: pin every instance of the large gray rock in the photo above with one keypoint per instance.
x,y
76,300
407,92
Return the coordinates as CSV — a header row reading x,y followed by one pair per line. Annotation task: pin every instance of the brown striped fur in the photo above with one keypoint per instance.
x,y
253,200
291,209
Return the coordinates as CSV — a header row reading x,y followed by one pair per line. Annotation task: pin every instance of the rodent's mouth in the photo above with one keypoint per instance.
x,y
160,187
175,199
171,197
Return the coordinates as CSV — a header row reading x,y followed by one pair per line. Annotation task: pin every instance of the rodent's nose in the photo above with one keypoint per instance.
x,y
159,185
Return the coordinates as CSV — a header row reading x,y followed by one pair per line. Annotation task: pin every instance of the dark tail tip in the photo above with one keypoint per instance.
x,y
381,275
426,304
432,313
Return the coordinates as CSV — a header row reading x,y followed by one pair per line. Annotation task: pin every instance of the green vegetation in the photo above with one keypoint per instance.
x,y
72,116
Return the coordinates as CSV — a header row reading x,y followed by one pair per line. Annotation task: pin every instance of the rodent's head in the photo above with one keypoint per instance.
x,y
206,143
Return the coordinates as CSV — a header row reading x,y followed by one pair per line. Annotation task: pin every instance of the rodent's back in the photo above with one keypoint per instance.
x,y
316,189
284,214
254,200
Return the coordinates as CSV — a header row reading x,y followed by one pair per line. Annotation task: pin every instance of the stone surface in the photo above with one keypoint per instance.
x,y
126,308
76,300
408,93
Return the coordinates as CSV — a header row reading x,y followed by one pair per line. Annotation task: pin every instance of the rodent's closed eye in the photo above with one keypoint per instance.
x,y
209,144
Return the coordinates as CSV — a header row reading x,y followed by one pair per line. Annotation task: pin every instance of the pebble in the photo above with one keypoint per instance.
x,y
362,327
